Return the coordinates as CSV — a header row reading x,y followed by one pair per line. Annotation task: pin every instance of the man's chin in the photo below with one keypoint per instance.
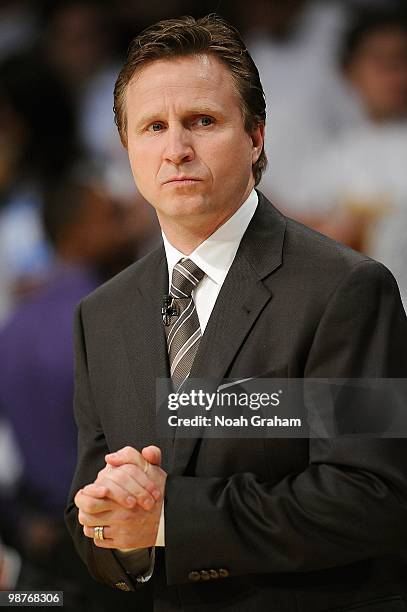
x,y
185,205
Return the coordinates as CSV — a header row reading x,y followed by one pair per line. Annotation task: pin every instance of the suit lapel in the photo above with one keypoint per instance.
x,y
241,300
144,338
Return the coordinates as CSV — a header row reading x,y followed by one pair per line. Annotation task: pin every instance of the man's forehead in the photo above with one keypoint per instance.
x,y
195,72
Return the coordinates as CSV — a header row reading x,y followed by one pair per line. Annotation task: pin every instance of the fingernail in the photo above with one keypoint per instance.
x,y
131,500
156,494
148,504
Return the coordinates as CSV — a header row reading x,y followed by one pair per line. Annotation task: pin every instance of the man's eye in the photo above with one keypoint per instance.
x,y
204,121
155,127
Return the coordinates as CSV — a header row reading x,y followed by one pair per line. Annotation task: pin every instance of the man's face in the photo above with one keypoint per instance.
x,y
379,73
189,152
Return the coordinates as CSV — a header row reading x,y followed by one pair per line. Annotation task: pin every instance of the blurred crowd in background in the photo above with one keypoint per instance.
x,y
335,79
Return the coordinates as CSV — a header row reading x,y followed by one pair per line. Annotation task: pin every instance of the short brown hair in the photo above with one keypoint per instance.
x,y
189,36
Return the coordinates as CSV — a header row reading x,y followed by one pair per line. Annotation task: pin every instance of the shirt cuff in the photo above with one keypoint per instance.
x,y
160,540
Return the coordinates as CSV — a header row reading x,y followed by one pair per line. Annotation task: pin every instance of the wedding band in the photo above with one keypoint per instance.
x,y
99,533
145,468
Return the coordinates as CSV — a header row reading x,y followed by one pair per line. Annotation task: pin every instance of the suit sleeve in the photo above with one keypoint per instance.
x,y
349,503
103,564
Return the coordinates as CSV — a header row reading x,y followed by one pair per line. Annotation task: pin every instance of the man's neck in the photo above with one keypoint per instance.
x,y
187,238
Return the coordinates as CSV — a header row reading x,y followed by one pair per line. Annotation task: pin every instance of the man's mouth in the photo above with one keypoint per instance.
x,y
182,180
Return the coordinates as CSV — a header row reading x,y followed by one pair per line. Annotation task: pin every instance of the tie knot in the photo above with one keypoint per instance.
x,y
185,277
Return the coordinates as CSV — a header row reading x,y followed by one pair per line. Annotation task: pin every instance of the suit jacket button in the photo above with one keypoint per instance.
x,y
122,586
194,576
213,574
223,573
204,575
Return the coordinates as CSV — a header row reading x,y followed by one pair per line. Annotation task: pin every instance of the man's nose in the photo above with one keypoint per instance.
x,y
178,145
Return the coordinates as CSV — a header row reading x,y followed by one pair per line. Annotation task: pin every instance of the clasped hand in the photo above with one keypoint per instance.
x,y
126,499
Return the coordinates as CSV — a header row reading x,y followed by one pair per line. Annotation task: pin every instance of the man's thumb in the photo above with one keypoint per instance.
x,y
152,454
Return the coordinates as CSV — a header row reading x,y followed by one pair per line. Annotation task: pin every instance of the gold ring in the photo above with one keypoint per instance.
x,y
98,531
146,466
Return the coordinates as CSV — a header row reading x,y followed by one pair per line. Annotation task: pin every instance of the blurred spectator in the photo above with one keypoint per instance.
x,y
92,241
374,59
36,385
37,143
359,180
295,46
41,356
77,41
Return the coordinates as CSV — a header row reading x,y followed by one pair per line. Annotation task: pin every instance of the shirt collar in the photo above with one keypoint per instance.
x,y
215,255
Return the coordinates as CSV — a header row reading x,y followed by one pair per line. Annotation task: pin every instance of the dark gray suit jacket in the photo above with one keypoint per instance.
x,y
298,525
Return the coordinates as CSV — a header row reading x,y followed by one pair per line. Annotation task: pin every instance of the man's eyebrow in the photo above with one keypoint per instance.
x,y
204,109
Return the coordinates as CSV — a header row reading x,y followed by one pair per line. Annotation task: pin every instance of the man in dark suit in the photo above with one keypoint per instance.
x,y
232,524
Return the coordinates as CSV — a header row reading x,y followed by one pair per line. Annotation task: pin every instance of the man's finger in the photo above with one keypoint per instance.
x,y
140,477
113,492
93,520
128,454
118,516
91,504
90,533
136,483
152,454
126,492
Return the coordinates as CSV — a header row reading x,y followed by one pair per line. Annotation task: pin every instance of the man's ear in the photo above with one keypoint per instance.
x,y
257,137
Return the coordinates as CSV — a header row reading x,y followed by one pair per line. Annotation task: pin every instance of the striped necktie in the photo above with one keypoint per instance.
x,y
184,332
